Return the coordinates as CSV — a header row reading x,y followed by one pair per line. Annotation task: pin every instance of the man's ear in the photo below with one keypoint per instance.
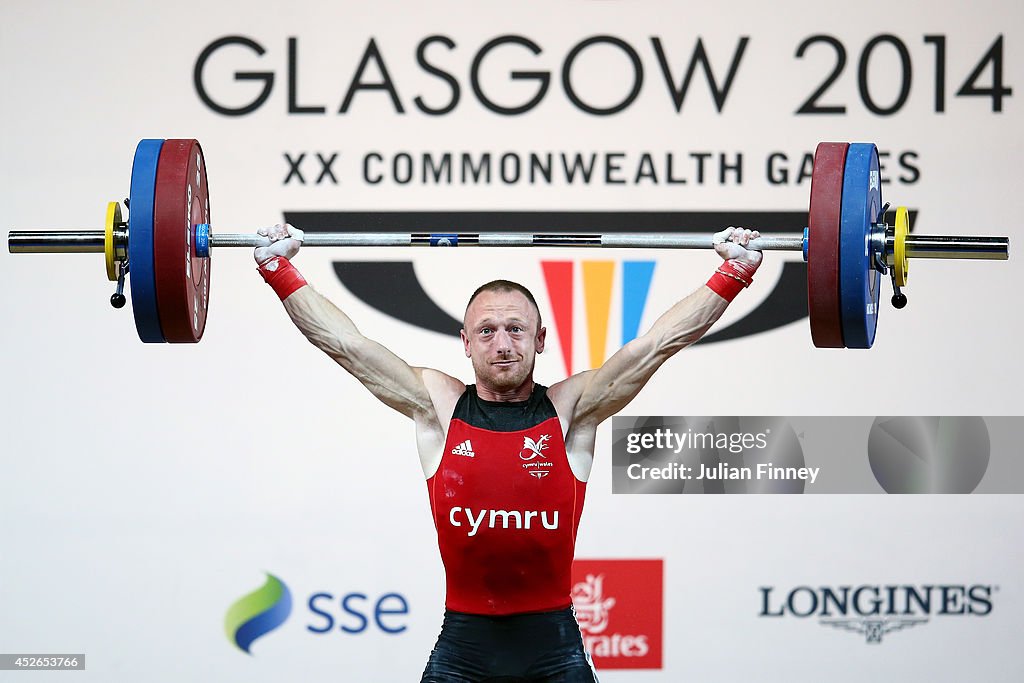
x,y
541,337
465,341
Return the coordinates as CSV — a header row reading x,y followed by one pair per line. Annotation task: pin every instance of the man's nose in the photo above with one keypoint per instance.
x,y
503,341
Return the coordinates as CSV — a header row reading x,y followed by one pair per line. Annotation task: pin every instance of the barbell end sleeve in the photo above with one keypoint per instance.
x,y
977,247
55,242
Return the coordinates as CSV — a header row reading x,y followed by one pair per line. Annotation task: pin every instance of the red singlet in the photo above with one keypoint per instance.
x,y
506,507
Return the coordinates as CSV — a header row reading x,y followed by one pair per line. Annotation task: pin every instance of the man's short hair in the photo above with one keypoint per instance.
x,y
505,286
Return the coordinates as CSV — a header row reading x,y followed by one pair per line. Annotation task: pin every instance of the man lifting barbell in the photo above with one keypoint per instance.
x,y
506,459
505,453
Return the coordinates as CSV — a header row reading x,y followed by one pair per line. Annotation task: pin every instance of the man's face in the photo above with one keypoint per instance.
x,y
502,336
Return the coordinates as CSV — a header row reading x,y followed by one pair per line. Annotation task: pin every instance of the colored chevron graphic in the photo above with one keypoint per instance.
x,y
598,279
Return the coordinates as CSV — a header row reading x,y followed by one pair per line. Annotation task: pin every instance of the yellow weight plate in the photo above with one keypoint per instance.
x,y
899,257
113,216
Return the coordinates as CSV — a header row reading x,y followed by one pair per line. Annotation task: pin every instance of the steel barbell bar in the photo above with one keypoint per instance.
x,y
917,246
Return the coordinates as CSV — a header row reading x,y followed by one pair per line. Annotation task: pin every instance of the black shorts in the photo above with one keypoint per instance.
x,y
538,647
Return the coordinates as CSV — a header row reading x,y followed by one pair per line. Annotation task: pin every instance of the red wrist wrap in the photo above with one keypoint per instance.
x,y
730,278
280,274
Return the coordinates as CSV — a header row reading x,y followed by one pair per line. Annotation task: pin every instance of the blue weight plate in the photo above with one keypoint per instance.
x,y
142,275
859,282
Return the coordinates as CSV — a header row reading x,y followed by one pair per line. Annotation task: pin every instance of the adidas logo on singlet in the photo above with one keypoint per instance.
x,y
464,448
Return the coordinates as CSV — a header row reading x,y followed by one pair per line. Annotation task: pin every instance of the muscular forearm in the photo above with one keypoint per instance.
x,y
323,323
686,322
691,318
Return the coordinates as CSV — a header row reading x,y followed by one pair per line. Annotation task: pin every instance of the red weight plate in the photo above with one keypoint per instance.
x,y
823,244
182,279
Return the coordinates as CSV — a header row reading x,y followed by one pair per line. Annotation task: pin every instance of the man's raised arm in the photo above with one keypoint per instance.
x,y
601,393
387,376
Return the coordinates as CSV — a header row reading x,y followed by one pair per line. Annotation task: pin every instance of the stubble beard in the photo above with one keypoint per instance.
x,y
501,380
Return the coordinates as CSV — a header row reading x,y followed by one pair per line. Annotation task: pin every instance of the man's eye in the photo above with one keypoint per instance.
x,y
516,328
485,330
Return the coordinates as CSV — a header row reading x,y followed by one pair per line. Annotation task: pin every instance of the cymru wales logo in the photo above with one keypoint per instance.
x,y
534,448
258,613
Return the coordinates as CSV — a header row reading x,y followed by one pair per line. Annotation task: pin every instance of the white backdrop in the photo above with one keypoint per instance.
x,y
143,489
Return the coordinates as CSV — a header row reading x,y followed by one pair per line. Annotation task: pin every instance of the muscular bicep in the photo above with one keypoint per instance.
x,y
617,382
387,377
610,388
383,373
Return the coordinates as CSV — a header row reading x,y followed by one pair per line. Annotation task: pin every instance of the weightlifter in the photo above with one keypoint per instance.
x,y
506,460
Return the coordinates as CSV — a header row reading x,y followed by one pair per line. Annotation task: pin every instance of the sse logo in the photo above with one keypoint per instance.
x,y
258,613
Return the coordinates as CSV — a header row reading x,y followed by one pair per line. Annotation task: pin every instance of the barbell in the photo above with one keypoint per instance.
x,y
166,242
